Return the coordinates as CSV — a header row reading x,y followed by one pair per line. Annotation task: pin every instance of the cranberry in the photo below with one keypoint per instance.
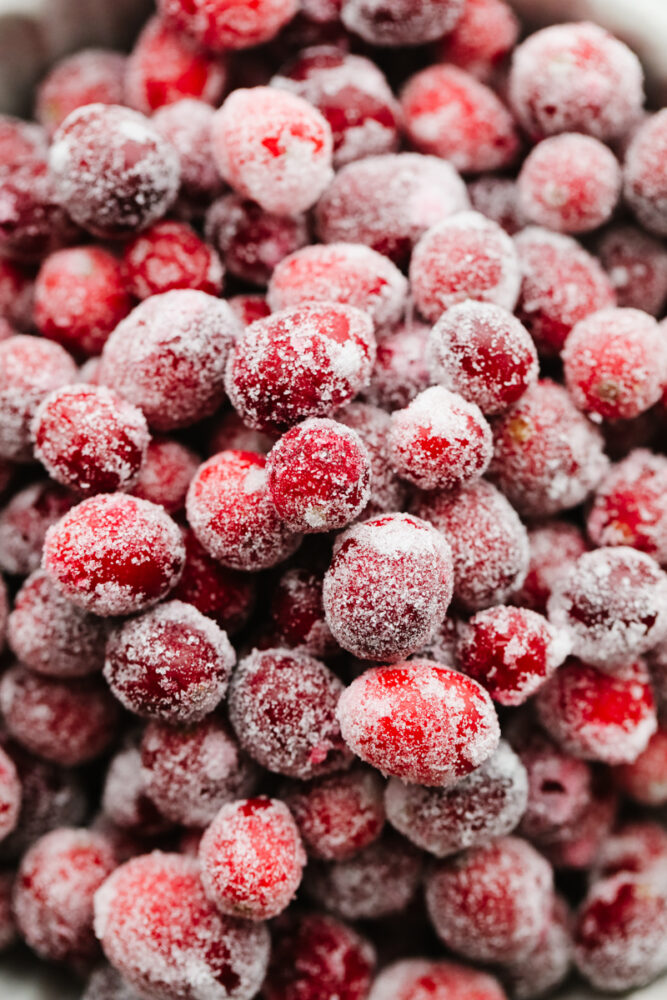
x,y
560,790
485,34
24,523
634,847
222,25
247,308
486,804
8,929
421,978
306,361
158,929
388,202
400,372
166,473
645,779
125,802
548,964
106,983
297,613
554,547
575,78
170,255
575,846
372,426
464,257
497,197
282,708
404,22
186,126
645,176
33,223
637,267
168,357
91,76
630,506
10,795
114,554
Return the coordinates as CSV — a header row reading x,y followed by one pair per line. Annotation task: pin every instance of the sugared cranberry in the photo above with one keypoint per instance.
x,y
186,126
159,930
166,473
419,721
247,307
554,547
282,707
114,554
33,223
496,197
24,523
372,426
170,255
645,175
637,267
220,593
560,789
168,357
544,968
575,846
297,613
645,779
125,803
10,795
400,372
221,25
634,847
388,202
575,78
405,22
630,506
91,76
464,257
421,978
483,37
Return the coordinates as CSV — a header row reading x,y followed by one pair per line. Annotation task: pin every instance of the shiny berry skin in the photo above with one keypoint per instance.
x,y
64,722
576,846
388,586
165,474
111,170
165,66
158,929
190,772
90,439
223,24
449,113
337,815
91,76
220,593
53,894
282,708
492,903
80,297
114,554
561,285
252,858
388,202
168,357
616,363
486,804
51,635
427,979
554,546
419,721
353,95
30,368
544,968
186,126
630,505
349,273
230,510
405,22
464,257
376,882
372,425
575,78
596,716
171,663
440,440
645,779
10,795
315,957
613,602
488,541
485,34
484,353
318,475
170,255
400,372
24,523
251,241
645,182
547,456
637,266
297,613
274,148
511,652
306,361
621,931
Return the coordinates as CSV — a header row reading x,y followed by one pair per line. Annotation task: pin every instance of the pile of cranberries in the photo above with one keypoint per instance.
x,y
333,508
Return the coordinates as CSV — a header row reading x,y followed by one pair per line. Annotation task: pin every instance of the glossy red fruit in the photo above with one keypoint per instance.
x,y
483,37
645,779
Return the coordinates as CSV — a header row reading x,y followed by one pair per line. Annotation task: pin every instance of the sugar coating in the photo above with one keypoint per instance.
x,y
561,284
387,202
222,25
168,357
554,546
171,255
644,779
427,979
282,707
485,34
10,795
252,858
114,554
575,78
186,126
634,847
166,473
486,804
350,273
419,721
645,186
548,965
491,903
440,440
112,171
449,113
297,613
637,267
124,801
547,456
410,22
464,257
158,929
190,772
489,543
388,586
613,603
53,893
91,76
560,790
51,635
372,425
378,881
496,197
230,510
305,361
400,372
597,716
171,663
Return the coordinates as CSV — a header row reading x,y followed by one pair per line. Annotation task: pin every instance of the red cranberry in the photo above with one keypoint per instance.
x,y
404,22
247,308
158,929
125,802
548,964
24,523
485,34
634,847
282,707
10,795
186,126
33,223
496,197
560,790
645,175
114,554
220,593
400,372
372,425
168,357
91,76
554,547
645,779
427,979
630,506
297,613
170,255
166,473
221,25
